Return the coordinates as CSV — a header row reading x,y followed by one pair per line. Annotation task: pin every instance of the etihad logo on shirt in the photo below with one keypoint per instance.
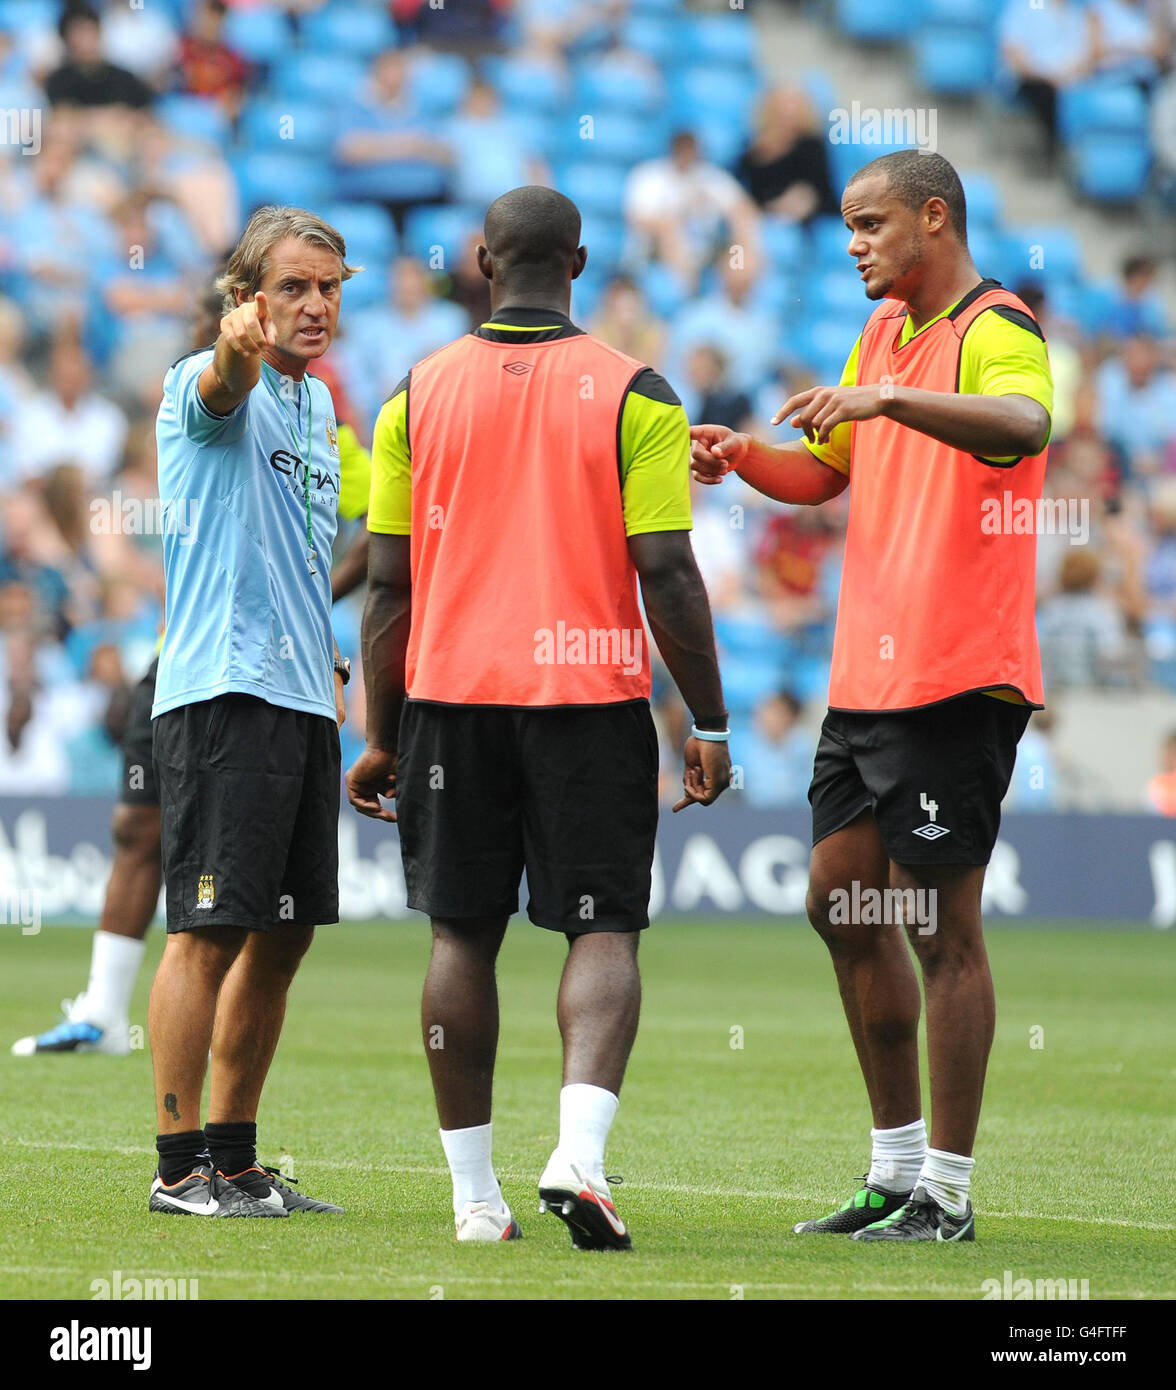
x,y
291,466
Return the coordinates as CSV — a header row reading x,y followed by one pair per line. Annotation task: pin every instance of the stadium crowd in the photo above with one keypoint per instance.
x,y
716,254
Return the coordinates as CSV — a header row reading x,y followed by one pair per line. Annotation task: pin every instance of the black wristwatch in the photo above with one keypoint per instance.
x,y
343,668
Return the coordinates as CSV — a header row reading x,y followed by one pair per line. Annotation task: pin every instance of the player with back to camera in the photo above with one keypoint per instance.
x,y
523,479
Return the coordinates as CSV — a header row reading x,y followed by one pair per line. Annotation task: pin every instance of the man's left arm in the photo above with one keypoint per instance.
x,y
1001,414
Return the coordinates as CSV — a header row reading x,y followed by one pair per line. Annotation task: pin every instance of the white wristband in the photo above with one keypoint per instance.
x,y
710,735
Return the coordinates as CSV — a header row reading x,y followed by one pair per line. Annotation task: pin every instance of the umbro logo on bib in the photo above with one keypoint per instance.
x,y
516,368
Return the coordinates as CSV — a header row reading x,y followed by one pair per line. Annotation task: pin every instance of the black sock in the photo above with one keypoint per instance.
x,y
180,1153
233,1145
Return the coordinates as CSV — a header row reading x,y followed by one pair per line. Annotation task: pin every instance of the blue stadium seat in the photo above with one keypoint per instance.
x,y
662,9
829,237
292,127
357,30
526,84
847,157
31,16
837,293
990,252
1035,253
605,239
595,187
955,59
652,36
367,229
447,227
963,13
287,179
601,86
614,138
369,289
263,35
725,41
663,290
199,117
820,89
1111,168
786,244
306,77
983,200
822,343
1108,107
875,21
779,291
439,81
722,136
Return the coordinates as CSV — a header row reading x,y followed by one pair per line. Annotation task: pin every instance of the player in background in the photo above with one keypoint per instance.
x,y
523,479
97,1019
943,408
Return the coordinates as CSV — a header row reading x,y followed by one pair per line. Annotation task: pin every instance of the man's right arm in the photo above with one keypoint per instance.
x,y
235,368
785,472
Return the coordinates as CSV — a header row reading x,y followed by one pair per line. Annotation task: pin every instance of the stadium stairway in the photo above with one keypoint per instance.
x,y
801,45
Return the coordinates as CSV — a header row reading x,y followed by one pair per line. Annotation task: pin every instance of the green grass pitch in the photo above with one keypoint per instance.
x,y
722,1147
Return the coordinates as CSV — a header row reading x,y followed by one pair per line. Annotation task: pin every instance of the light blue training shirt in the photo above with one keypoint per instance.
x,y
244,612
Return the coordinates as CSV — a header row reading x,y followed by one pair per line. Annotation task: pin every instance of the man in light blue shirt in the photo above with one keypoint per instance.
x,y
248,702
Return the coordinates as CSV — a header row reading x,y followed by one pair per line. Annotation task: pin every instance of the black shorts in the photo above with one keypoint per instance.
x,y
933,777
570,794
250,799
139,787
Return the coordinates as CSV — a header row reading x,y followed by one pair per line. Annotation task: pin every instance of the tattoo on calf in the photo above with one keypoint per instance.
x,y
169,1104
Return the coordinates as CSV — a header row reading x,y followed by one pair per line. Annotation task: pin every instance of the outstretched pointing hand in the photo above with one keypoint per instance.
x,y
248,328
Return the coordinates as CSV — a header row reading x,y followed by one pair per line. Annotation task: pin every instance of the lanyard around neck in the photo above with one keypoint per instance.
x,y
304,460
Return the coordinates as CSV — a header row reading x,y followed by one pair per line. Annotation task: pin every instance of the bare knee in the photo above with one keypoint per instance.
x,y
279,951
208,951
135,831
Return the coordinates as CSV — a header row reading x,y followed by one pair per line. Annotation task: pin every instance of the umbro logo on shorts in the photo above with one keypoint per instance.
x,y
516,368
931,832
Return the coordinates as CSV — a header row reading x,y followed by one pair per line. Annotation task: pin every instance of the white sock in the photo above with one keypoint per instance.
x,y
897,1156
114,968
586,1114
470,1166
948,1178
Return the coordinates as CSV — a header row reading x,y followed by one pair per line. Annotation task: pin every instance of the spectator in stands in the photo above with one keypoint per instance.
x,y
140,38
146,293
1035,785
1161,789
1081,629
785,166
56,235
1163,136
1130,40
789,561
193,177
625,321
207,66
1137,406
388,150
468,287
777,754
70,421
1065,362
736,321
1138,309
569,26
86,79
490,152
15,384
681,209
1046,47
473,26
720,548
382,344
31,557
707,392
